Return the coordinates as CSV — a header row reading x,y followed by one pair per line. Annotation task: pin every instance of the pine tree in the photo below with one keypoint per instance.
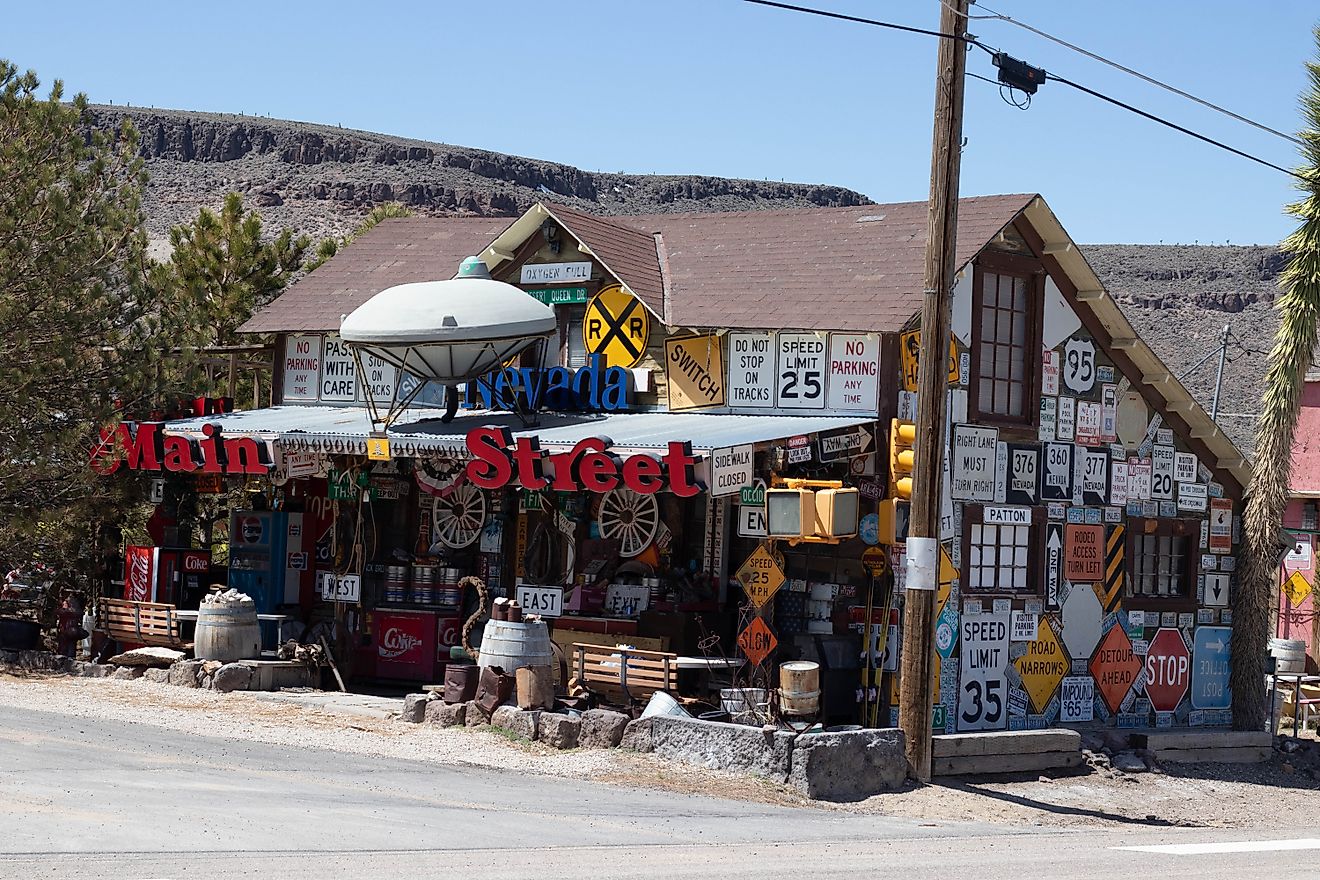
x,y
1294,344
76,349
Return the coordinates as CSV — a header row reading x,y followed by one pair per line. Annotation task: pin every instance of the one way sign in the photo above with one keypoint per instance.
x,y
1053,564
848,443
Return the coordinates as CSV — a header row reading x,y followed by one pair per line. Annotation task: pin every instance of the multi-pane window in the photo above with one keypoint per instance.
x,y
1161,560
575,348
1005,344
1000,557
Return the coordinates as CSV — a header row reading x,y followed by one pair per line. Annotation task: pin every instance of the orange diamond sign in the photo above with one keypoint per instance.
x,y
1114,667
757,641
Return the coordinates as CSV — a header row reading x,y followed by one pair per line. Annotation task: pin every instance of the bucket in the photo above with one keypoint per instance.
x,y
227,632
1290,654
662,703
735,700
460,682
799,687
512,646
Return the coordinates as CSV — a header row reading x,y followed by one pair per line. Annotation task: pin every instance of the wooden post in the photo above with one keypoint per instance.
x,y
916,694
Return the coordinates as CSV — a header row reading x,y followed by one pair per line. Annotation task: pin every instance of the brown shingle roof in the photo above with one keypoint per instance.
x,y
628,252
394,252
857,268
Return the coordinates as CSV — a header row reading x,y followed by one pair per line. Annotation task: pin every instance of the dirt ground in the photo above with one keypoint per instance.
x,y
1192,795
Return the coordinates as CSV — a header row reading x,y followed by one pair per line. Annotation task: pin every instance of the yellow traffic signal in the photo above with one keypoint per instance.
x,y
902,457
894,515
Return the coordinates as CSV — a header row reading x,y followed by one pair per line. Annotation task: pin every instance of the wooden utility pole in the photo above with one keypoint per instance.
x,y
916,693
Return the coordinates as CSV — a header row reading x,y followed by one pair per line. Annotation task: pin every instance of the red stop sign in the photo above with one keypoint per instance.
x,y
1168,670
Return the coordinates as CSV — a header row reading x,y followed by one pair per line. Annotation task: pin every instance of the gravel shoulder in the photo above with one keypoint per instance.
x,y
1274,794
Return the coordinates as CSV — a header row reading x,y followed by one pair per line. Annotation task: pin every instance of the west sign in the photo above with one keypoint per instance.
x,y
144,446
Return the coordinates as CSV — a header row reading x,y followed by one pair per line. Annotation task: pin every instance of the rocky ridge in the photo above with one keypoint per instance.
x,y
321,179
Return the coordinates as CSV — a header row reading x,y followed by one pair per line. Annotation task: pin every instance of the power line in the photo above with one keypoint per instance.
x,y
824,13
973,41
1175,126
998,16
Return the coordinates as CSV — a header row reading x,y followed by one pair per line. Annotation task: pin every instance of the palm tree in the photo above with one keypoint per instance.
x,y
1299,308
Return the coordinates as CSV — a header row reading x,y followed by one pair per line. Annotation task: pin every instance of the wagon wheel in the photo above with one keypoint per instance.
x,y
630,518
456,519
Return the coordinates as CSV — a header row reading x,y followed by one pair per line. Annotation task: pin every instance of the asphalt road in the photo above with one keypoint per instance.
x,y
85,798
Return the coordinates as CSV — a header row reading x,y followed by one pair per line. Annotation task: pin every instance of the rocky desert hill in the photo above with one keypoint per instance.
x,y
321,180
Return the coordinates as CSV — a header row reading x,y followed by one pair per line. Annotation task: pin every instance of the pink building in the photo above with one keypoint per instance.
x,y
1297,617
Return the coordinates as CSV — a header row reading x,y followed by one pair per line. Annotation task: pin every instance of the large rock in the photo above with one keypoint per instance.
x,y
147,657
414,708
444,714
94,670
232,677
848,766
602,729
639,735
515,720
159,676
128,673
719,746
186,673
475,716
559,731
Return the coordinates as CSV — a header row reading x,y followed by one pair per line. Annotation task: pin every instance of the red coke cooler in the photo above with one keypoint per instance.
x,y
405,645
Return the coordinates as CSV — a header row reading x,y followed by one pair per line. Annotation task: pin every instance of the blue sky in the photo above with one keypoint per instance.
x,y
726,88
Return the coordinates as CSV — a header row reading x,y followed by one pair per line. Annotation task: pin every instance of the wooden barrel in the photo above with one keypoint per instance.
x,y
511,646
1290,655
799,687
227,632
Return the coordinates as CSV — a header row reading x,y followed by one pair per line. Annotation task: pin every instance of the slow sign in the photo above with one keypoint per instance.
x,y
757,641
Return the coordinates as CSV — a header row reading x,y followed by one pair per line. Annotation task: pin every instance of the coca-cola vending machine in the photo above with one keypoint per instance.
x,y
405,644
173,575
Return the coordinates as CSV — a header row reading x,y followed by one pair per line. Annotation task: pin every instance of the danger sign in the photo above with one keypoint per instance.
x,y
616,326
1083,552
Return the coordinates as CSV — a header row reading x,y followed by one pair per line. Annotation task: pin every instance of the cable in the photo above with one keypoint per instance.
x,y
998,16
823,13
1187,131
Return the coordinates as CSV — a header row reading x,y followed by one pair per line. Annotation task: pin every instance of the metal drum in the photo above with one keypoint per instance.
x,y
1290,654
423,584
448,592
396,584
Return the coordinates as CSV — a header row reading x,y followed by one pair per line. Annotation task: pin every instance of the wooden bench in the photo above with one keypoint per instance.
x,y
142,623
622,674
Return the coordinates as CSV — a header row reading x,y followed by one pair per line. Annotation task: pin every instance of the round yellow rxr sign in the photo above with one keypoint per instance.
x,y
616,327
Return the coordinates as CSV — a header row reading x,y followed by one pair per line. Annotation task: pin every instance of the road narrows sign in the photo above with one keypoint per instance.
x,y
617,327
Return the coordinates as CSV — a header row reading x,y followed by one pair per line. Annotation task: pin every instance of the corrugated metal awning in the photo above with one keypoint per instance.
x,y
419,431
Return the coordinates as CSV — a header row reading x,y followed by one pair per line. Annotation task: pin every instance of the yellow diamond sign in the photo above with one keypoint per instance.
x,y
1296,588
761,576
1043,666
